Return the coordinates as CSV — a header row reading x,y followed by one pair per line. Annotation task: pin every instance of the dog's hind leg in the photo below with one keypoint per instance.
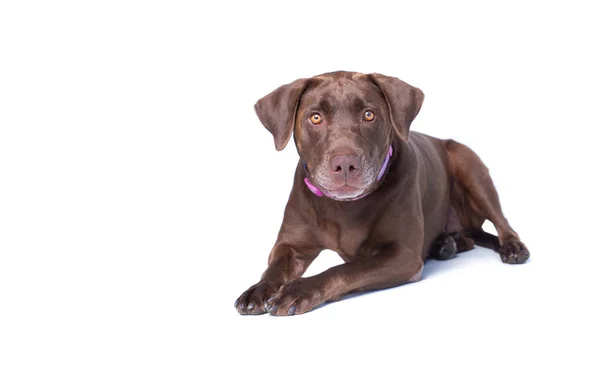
x,y
482,199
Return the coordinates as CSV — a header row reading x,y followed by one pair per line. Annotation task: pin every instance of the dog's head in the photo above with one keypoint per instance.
x,y
343,125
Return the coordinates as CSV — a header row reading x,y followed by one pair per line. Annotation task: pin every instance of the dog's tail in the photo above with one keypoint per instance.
x,y
485,239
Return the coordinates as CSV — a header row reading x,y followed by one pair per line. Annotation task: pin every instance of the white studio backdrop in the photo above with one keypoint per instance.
x,y
140,195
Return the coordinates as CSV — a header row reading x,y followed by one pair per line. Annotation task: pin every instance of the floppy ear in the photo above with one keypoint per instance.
x,y
277,111
403,100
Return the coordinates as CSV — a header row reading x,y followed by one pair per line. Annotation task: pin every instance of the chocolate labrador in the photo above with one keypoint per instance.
x,y
384,199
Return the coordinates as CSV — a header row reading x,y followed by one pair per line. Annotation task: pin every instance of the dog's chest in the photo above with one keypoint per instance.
x,y
347,239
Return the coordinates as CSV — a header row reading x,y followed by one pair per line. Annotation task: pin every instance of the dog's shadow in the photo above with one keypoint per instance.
x,y
478,256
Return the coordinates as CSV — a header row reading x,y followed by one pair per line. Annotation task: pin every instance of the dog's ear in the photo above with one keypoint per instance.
x,y
277,111
403,100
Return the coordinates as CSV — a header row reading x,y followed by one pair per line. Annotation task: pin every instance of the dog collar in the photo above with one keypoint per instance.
x,y
319,193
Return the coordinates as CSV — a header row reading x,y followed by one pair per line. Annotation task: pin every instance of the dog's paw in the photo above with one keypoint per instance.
x,y
514,252
252,301
443,248
294,298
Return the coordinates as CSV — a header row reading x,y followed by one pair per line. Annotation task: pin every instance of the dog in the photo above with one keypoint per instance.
x,y
385,199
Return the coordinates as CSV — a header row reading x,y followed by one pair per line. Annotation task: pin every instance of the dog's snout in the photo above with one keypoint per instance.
x,y
345,165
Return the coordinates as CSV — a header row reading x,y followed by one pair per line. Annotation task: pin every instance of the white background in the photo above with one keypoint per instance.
x,y
140,195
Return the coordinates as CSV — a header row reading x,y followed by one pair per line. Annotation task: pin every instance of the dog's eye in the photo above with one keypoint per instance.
x,y
369,115
316,118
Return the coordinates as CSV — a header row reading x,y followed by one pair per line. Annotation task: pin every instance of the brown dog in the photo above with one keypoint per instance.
x,y
362,188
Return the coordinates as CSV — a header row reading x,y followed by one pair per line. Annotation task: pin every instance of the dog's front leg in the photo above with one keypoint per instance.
x,y
392,266
286,262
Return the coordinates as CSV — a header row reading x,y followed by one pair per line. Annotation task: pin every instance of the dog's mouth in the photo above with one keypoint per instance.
x,y
345,193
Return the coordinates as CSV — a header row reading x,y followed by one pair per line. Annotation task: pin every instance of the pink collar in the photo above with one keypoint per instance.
x,y
384,167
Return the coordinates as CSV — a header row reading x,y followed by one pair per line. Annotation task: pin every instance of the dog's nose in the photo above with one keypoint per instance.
x,y
345,165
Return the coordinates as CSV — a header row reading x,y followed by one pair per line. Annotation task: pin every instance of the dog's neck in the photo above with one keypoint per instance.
x,y
382,171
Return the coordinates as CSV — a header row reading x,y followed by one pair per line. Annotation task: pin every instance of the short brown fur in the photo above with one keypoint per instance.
x,y
432,201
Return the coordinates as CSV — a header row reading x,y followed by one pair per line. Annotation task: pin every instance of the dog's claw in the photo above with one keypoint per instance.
x,y
292,310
